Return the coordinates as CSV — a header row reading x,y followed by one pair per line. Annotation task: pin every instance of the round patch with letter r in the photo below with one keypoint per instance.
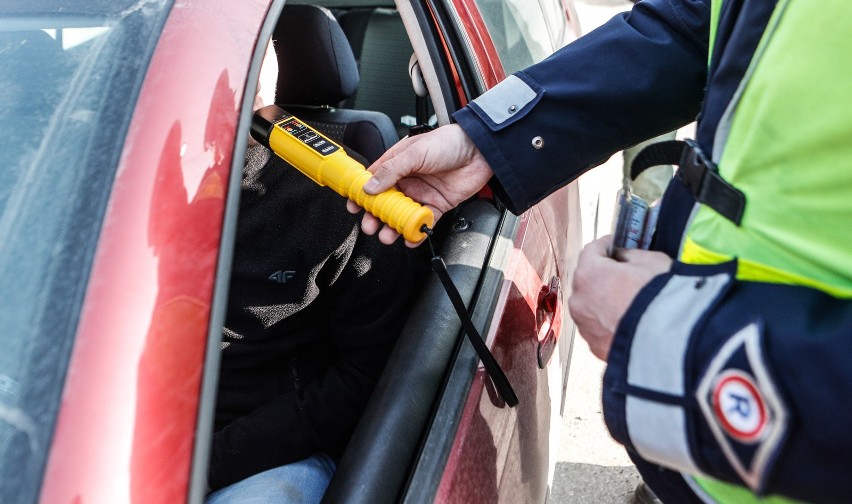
x,y
739,407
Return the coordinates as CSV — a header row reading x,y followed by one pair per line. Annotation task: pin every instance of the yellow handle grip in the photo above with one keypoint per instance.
x,y
392,207
327,164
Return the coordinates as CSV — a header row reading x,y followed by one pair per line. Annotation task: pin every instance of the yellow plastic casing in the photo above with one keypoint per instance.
x,y
327,164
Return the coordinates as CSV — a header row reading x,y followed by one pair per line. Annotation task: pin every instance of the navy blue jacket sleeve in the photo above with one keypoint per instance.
x,y
639,75
749,384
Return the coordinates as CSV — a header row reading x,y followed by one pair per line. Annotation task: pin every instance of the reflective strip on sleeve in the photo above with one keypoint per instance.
x,y
505,99
658,432
660,340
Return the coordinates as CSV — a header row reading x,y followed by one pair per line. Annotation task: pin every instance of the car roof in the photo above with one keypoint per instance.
x,y
346,3
88,8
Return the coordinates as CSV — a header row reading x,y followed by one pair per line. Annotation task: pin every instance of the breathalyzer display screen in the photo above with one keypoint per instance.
x,y
307,136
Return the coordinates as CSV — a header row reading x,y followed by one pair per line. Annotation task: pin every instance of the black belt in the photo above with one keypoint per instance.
x,y
697,172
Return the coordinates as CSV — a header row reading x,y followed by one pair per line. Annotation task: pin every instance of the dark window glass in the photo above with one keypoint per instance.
x,y
518,30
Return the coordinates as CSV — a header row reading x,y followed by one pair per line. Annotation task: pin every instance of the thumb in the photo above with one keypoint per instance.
x,y
375,185
386,172
398,162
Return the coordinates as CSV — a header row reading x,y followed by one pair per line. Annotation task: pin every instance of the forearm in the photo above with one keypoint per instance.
x,y
639,75
745,382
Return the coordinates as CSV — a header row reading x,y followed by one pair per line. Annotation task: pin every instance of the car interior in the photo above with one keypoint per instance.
x,y
384,57
350,72
317,72
355,69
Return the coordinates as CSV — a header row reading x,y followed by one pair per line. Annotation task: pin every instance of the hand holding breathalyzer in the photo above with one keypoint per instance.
x,y
441,169
327,164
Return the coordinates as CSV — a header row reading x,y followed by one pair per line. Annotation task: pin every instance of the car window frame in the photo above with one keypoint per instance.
x,y
198,487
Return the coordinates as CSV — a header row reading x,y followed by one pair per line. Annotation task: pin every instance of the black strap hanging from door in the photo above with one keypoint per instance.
x,y
492,367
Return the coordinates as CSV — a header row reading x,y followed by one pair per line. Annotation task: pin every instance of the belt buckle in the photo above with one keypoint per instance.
x,y
693,166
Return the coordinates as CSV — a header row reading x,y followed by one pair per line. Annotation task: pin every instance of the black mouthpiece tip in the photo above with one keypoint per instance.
x,y
260,129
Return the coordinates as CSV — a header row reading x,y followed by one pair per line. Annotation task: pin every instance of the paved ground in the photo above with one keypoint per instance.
x,y
591,467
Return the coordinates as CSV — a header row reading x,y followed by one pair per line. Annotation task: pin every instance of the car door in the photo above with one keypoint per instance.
x,y
499,453
454,439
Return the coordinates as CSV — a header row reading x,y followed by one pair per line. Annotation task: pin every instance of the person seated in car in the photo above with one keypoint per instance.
x,y
314,309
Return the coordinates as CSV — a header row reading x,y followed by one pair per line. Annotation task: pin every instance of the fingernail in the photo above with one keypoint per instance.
x,y
371,184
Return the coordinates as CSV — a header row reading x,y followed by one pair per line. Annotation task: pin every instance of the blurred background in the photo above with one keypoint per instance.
x,y
591,467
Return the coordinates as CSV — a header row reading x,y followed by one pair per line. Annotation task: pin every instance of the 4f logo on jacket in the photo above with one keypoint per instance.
x,y
281,276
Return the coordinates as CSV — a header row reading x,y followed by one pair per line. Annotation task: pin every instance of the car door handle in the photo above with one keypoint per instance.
x,y
548,301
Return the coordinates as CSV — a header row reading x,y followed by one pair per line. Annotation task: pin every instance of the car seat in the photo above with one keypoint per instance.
x,y
384,55
316,72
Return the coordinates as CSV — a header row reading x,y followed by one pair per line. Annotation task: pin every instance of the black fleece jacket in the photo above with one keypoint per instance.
x,y
314,310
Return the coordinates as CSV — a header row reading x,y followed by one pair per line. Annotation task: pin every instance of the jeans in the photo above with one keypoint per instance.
x,y
302,482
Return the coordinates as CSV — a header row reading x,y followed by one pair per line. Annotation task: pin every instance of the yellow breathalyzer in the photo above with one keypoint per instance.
x,y
327,164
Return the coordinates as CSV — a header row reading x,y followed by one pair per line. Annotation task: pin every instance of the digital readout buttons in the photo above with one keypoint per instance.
x,y
308,136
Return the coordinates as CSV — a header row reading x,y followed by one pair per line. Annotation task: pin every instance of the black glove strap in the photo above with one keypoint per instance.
x,y
697,172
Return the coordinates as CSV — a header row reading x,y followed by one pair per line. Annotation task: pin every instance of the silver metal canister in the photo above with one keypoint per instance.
x,y
629,220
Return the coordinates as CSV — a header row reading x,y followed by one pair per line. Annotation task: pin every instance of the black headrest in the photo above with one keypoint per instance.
x,y
315,62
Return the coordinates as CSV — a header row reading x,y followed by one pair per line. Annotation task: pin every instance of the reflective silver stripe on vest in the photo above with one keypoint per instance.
x,y
658,430
505,99
660,340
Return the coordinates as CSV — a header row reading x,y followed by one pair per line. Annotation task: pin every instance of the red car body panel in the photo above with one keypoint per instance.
x,y
127,422
481,44
457,84
498,452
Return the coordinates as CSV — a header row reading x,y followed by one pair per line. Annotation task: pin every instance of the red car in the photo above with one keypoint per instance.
x,y
123,127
